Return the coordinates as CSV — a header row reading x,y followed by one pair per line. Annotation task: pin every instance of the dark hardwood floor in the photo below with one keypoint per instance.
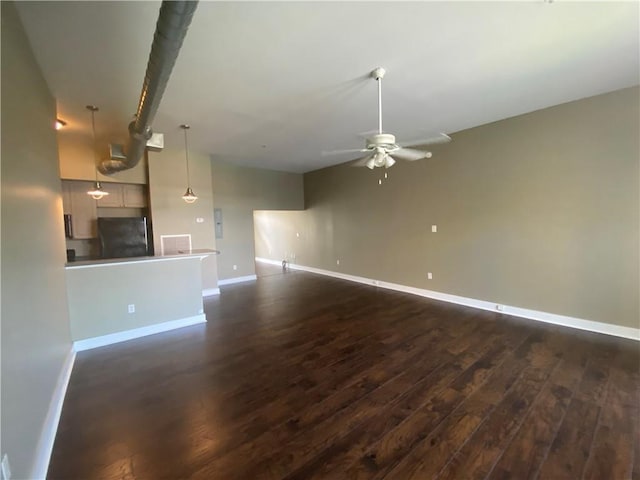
x,y
299,376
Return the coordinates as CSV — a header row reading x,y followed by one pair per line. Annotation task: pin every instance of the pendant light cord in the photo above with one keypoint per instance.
x,y
186,153
93,109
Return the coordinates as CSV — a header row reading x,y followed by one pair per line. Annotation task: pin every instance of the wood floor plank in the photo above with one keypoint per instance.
x,y
611,454
528,449
323,424
470,440
426,432
302,376
570,449
386,451
352,450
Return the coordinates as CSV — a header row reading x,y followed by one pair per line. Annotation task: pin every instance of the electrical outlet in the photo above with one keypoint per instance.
x,y
199,220
500,308
297,234
434,228
337,262
6,469
131,308
429,276
235,267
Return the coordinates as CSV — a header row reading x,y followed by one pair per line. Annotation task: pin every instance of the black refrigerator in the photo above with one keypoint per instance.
x,y
123,237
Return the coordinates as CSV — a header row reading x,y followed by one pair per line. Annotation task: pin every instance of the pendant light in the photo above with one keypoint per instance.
x,y
96,192
188,196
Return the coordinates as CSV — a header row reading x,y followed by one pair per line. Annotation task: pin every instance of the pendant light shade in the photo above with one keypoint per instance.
x,y
96,192
188,196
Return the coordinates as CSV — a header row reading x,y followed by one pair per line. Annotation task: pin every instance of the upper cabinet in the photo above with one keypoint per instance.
x,y
134,195
114,199
123,195
82,209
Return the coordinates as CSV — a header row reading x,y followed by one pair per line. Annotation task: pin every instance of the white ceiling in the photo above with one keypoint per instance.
x,y
272,84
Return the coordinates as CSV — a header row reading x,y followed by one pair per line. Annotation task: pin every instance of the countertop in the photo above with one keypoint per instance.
x,y
90,262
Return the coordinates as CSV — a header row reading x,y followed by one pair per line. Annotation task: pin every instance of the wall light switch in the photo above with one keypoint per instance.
x,y
434,228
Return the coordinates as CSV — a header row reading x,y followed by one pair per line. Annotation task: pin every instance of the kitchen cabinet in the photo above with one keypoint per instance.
x,y
134,196
123,195
114,199
66,199
84,209
81,207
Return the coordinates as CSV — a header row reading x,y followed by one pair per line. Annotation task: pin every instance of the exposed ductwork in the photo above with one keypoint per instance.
x,y
171,28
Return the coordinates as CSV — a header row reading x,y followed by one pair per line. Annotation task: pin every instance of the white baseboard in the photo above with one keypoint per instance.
x,y
269,261
50,427
208,292
573,322
229,281
95,342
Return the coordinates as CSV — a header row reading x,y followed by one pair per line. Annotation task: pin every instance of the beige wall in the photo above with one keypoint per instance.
x,y
539,211
171,215
238,191
77,158
161,291
35,324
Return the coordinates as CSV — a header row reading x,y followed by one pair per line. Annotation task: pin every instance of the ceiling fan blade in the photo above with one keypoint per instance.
x,y
362,162
440,138
343,152
411,154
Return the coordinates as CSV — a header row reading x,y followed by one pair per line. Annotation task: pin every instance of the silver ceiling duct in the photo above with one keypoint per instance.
x,y
171,28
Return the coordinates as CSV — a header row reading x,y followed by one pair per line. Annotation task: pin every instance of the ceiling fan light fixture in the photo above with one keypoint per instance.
x,y
389,162
371,164
380,157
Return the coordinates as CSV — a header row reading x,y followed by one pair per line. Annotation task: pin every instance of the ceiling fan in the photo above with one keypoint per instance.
x,y
380,146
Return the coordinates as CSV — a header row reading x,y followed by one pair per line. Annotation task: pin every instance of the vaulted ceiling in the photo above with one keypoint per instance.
x,y
273,84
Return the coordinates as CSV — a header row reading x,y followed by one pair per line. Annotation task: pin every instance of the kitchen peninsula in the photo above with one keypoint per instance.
x,y
117,299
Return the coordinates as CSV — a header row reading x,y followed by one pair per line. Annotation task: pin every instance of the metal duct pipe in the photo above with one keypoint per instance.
x,y
171,28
